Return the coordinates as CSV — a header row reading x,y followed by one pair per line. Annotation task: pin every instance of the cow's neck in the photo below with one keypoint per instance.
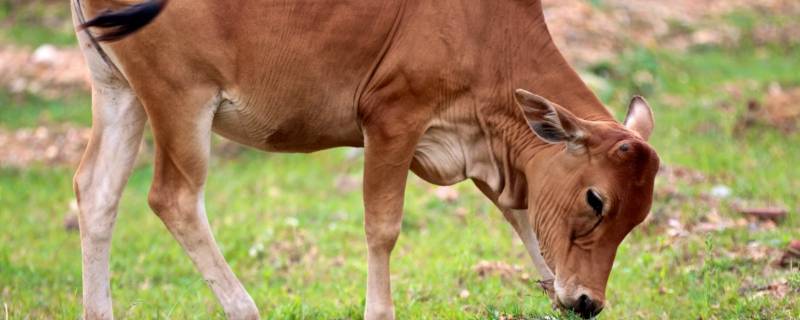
x,y
530,61
483,136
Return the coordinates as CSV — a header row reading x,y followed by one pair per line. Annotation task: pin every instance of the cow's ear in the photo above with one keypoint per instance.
x,y
550,122
640,118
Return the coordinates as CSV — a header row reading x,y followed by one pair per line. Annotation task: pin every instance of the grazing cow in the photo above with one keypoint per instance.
x,y
426,86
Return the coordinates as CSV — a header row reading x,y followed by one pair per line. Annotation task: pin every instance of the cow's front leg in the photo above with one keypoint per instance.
x,y
519,220
386,163
521,224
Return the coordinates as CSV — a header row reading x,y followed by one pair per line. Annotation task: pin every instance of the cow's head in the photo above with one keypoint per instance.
x,y
583,199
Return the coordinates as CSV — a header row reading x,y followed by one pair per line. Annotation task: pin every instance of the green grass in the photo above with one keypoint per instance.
x,y
297,242
698,130
276,211
36,22
28,110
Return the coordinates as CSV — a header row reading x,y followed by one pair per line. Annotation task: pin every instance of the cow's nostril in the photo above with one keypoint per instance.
x,y
586,307
584,302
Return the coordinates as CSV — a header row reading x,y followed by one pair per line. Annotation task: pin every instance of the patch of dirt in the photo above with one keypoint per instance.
x,y
714,222
47,71
45,145
295,250
772,106
63,145
780,108
588,33
486,269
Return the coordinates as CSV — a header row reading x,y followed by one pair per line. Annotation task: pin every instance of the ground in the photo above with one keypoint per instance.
x,y
723,86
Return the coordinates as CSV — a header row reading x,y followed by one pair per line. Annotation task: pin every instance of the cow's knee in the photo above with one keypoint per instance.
x,y
382,236
164,199
174,204
159,201
97,208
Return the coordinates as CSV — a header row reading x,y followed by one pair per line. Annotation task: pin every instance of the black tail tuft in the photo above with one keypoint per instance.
x,y
125,21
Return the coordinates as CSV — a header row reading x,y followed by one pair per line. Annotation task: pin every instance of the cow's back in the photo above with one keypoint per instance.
x,y
288,72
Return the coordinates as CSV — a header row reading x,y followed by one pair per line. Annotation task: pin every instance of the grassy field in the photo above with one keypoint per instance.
x,y
294,235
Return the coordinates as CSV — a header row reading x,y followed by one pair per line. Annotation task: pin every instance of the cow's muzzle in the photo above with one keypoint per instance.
x,y
584,306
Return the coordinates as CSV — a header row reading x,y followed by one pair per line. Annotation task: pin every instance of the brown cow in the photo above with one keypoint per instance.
x,y
428,86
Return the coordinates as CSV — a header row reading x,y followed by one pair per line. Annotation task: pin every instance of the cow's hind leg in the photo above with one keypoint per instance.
x,y
117,125
182,136
118,121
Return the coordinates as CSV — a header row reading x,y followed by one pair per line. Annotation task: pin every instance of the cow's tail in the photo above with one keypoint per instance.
x,y
123,22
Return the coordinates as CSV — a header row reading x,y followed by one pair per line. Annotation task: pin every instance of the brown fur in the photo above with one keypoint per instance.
x,y
422,85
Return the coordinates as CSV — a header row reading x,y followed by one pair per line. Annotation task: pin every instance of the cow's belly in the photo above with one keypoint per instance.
x,y
287,126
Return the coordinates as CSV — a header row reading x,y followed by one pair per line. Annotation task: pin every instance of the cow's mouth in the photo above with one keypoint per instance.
x,y
581,308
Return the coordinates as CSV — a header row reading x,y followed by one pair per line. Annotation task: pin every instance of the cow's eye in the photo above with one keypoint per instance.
x,y
594,201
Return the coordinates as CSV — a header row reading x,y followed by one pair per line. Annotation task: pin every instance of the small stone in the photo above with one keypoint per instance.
x,y
46,54
720,192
